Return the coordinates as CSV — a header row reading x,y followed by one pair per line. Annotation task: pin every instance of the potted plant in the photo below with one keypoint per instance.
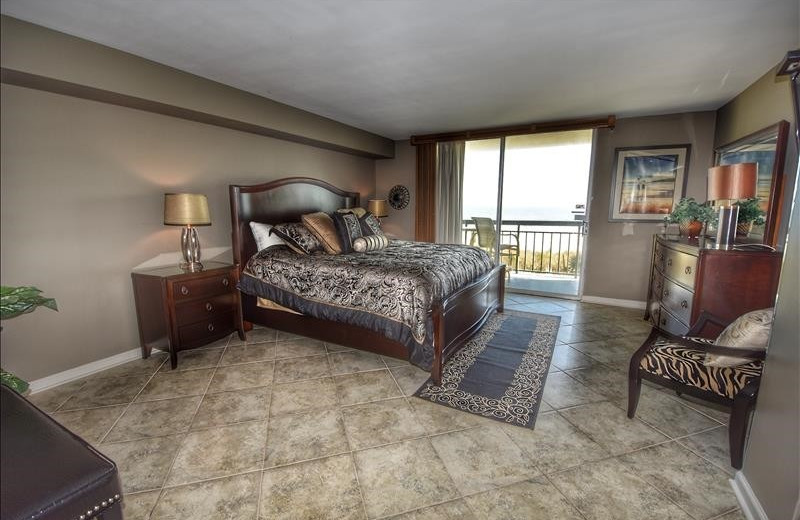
x,y
15,301
749,213
690,216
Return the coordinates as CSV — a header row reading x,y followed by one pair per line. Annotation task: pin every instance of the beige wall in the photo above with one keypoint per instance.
x,y
619,253
58,57
390,172
772,458
82,188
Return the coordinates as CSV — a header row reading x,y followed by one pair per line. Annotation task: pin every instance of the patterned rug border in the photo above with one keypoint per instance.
x,y
522,397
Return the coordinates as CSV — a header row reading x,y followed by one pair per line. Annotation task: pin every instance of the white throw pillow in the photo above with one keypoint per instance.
x,y
262,236
749,330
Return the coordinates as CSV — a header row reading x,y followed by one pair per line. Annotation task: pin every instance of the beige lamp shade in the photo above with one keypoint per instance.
x,y
186,209
732,181
378,207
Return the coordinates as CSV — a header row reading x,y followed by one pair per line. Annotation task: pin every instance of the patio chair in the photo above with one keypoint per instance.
x,y
486,234
705,369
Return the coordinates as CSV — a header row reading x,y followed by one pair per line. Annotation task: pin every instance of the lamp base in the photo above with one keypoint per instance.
x,y
190,247
726,227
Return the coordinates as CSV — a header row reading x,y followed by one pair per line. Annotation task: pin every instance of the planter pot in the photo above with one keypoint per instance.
x,y
743,228
690,229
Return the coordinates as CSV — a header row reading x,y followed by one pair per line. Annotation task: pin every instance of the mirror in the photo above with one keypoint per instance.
x,y
767,148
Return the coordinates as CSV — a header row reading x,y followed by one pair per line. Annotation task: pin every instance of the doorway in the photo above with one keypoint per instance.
x,y
536,186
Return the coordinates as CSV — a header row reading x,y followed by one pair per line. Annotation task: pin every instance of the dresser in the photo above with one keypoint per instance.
x,y
178,310
688,276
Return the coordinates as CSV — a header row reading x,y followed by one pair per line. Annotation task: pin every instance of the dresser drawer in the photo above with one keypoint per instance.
x,y
195,310
670,323
681,267
202,287
678,301
656,286
215,326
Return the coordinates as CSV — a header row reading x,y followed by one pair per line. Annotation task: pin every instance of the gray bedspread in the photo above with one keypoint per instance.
x,y
389,291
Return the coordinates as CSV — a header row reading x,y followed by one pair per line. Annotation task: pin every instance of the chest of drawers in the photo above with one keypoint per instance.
x,y
178,310
687,278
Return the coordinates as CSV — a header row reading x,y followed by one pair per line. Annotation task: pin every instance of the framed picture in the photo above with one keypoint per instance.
x,y
766,148
647,182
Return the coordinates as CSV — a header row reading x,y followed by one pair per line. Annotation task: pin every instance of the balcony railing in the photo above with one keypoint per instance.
x,y
545,246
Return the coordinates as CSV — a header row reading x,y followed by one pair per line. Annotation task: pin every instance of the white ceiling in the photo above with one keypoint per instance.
x,y
403,67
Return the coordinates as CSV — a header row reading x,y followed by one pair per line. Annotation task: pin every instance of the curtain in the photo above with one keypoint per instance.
x,y
449,198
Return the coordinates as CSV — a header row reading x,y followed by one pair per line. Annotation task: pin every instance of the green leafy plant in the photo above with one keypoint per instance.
x,y
688,209
750,211
15,301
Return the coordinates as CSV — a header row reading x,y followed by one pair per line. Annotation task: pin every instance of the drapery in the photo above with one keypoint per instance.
x,y
449,197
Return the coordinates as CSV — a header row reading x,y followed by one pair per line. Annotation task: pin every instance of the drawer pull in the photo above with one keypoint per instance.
x,y
226,282
684,304
184,290
210,327
669,261
666,293
688,269
663,321
209,307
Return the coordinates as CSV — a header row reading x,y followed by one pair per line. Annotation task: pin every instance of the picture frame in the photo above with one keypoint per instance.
x,y
766,148
647,182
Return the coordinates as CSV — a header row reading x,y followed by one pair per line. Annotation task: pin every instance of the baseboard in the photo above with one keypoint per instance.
x,y
84,370
631,304
748,501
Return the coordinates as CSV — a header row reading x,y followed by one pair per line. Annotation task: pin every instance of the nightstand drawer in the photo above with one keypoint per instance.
x,y
191,311
202,287
680,267
678,301
216,326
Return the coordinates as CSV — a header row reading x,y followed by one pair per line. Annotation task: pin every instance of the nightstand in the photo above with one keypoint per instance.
x,y
179,310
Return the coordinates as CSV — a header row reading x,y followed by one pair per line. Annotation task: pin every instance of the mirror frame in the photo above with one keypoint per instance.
x,y
775,200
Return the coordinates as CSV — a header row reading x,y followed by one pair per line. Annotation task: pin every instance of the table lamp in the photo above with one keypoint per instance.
x,y
378,207
188,210
727,183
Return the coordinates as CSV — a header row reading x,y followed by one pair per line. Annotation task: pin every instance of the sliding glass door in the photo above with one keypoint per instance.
x,y
536,187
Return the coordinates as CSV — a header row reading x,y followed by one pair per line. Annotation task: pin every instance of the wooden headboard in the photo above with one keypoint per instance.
x,y
279,201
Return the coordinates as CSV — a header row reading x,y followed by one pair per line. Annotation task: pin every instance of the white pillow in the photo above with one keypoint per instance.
x,y
749,330
262,236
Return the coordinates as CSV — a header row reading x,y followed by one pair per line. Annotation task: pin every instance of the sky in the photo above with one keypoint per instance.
x,y
542,182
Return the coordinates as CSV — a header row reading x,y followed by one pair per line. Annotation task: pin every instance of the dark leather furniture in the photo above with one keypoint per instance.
x,y
48,472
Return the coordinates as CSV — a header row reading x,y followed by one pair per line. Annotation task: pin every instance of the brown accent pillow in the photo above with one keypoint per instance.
x,y
321,226
357,211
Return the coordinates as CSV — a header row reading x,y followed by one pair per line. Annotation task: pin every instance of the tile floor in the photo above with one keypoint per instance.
x,y
284,427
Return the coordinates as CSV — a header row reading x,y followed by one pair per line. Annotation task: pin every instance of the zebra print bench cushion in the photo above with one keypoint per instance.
x,y
685,365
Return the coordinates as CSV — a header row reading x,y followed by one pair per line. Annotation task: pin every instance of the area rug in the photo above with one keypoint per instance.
x,y
500,373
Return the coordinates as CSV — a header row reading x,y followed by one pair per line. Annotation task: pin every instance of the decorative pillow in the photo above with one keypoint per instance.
x,y
359,212
370,243
298,238
370,225
321,226
749,330
348,229
263,237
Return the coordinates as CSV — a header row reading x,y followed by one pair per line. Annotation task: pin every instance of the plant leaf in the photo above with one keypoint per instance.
x,y
15,301
13,382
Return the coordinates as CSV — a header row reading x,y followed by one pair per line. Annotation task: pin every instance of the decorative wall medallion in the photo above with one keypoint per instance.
x,y
399,197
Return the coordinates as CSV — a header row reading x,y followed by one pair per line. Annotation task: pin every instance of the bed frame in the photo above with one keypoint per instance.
x,y
455,318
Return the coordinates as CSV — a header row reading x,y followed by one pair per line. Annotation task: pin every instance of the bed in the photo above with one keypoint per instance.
x,y
455,317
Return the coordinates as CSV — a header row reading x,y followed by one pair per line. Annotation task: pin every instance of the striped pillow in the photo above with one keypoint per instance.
x,y
370,243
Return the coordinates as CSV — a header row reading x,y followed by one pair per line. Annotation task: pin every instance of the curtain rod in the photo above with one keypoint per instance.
x,y
504,131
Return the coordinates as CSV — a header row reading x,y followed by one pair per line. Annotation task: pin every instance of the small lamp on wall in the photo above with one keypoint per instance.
x,y
727,183
188,210
378,207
